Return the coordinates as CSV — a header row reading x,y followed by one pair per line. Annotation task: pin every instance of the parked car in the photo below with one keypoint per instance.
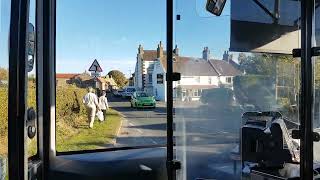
x,y
128,92
117,93
142,99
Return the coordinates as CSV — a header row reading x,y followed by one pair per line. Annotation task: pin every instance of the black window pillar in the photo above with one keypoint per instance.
x,y
17,90
306,153
170,162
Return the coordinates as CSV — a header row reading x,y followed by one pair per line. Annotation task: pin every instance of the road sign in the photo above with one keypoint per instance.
x,y
95,74
95,67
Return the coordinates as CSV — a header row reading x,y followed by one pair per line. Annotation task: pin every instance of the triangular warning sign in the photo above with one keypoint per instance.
x,y
95,66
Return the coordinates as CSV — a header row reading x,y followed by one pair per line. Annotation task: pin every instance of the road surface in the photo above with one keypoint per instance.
x,y
204,138
140,127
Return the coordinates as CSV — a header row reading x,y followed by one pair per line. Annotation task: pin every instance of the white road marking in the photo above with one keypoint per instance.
x,y
154,142
139,131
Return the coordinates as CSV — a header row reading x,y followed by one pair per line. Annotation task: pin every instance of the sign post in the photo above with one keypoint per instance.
x,y
95,70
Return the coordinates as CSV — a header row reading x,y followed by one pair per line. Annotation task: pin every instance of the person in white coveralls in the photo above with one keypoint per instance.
x,y
103,104
90,100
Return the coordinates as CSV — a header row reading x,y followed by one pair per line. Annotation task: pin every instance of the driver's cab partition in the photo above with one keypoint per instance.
x,y
221,89
244,100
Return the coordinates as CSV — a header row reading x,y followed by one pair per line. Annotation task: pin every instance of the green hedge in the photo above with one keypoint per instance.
x,y
69,111
3,111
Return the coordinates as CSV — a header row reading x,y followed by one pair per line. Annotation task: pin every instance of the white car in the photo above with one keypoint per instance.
x,y
117,93
128,92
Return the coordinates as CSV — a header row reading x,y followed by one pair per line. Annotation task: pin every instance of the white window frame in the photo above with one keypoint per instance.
x,y
197,78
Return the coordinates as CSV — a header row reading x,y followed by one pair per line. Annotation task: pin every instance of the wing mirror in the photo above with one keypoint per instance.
x,y
215,6
30,46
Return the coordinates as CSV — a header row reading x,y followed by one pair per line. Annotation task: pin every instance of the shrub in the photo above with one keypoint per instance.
x,y
3,112
69,111
69,107
217,97
255,89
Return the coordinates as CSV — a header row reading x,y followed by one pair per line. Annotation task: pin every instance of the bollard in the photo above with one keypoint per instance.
x,y
3,168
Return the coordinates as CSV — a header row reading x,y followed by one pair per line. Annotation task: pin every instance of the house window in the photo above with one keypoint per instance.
x,y
159,78
150,78
197,79
196,93
229,79
184,92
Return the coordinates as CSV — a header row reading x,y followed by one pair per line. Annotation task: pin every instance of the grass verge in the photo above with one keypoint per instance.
x,y
100,136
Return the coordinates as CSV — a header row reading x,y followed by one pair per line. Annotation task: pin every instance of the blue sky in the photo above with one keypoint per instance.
x,y
111,32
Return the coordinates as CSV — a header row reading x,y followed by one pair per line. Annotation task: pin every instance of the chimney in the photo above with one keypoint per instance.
x,y
160,50
140,51
225,56
176,51
206,53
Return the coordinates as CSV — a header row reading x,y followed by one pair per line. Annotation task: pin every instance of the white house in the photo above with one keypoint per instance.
x,y
197,74
144,67
159,80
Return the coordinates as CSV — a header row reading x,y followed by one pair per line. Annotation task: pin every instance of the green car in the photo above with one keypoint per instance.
x,y
141,99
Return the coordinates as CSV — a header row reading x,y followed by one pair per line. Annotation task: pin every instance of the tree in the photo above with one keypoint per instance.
x,y
262,64
242,58
3,74
119,78
265,64
254,89
270,79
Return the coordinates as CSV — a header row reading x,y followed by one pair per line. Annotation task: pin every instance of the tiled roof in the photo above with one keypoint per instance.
x,y
65,76
189,66
83,77
224,68
149,55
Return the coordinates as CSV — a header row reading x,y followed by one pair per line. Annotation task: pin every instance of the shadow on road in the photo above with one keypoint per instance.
x,y
161,126
141,141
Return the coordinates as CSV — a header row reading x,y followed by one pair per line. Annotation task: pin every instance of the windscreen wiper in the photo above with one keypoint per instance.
x,y
275,15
